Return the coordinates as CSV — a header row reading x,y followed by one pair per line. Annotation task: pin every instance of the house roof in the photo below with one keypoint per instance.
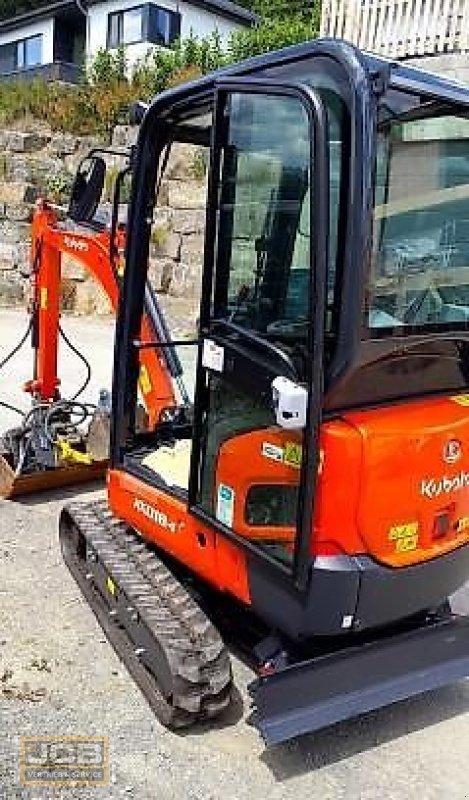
x,y
224,8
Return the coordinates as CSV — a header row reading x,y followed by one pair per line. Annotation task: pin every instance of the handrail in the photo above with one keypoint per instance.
x,y
399,28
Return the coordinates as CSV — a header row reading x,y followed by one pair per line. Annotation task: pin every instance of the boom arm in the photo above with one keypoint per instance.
x,y
93,250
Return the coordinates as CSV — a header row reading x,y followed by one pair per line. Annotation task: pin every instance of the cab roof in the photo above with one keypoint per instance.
x,y
355,61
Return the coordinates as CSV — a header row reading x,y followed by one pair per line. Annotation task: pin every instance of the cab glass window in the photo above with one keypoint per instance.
x,y
420,258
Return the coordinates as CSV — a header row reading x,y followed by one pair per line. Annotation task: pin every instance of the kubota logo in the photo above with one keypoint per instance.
x,y
76,244
452,451
155,515
434,488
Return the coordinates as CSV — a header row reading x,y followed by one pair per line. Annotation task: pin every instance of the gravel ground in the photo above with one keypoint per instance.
x,y
58,676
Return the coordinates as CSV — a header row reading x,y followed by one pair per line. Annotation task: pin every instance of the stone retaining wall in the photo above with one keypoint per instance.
x,y
36,163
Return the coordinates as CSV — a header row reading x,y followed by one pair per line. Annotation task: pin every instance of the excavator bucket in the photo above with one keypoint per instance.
x,y
12,485
313,694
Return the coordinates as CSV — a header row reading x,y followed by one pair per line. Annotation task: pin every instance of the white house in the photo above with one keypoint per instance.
x,y
56,39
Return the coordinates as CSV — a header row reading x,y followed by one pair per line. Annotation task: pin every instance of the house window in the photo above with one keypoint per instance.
x,y
29,52
21,55
147,23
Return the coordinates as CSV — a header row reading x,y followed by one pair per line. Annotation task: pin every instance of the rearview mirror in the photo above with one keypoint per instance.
x,y
87,189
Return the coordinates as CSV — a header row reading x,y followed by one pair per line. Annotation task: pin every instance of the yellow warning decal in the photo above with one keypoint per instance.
x,y
461,399
403,531
43,298
293,454
462,524
407,544
405,536
144,380
111,586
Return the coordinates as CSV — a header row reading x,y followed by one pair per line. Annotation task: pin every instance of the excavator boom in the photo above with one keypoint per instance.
x,y
99,250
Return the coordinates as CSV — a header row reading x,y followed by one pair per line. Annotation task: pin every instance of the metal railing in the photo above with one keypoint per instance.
x,y
399,28
61,71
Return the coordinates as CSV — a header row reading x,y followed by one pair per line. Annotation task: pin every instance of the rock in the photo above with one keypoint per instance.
x,y
84,293
17,169
14,193
68,292
192,250
14,232
155,273
19,213
14,256
91,299
19,142
36,170
184,280
8,256
185,221
168,245
163,216
72,162
63,144
180,161
163,194
73,270
160,274
186,194
11,292
124,135
166,276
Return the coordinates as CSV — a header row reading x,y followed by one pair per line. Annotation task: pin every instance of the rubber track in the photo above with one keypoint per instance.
x,y
183,639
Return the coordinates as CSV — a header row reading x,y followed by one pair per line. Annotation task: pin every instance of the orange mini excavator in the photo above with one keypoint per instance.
x,y
62,441
312,507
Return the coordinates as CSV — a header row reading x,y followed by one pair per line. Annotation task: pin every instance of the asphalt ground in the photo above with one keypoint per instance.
x,y
59,677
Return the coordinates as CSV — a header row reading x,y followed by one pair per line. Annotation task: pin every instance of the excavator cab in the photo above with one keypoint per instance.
x,y
324,481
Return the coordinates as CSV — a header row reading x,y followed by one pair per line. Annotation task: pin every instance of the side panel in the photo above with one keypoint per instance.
x,y
414,489
163,520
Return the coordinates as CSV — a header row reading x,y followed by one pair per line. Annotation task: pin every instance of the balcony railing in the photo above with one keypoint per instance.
x,y
399,28
57,71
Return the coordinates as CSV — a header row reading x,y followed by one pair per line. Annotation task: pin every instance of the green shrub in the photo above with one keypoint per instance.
x,y
108,68
107,89
58,187
199,164
109,185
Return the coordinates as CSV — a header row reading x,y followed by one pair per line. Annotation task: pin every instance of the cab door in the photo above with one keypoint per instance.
x,y
259,375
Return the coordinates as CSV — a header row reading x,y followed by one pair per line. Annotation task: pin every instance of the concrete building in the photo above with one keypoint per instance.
x,y
56,39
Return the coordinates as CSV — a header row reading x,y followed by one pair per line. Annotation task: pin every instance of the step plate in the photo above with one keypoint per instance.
x,y
314,694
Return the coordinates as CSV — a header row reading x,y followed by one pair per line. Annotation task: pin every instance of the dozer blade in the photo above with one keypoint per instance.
x,y
12,486
314,694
